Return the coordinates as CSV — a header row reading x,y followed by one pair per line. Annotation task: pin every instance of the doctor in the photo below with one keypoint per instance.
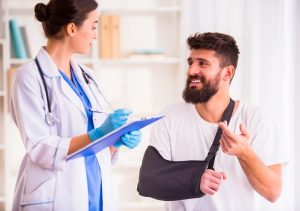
x,y
56,104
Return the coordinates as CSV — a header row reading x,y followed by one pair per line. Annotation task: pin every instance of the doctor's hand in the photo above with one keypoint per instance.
x,y
130,140
112,122
116,119
211,181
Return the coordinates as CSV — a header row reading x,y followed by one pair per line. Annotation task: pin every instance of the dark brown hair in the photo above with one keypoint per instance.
x,y
58,13
224,46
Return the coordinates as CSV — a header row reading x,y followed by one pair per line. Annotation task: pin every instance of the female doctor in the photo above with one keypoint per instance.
x,y
57,107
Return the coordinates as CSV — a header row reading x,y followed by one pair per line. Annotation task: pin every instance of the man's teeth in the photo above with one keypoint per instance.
x,y
195,81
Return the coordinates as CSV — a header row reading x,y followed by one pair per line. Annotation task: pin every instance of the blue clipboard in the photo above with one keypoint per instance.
x,y
111,138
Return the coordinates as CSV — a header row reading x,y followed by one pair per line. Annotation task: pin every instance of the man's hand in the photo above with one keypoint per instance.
x,y
211,181
233,144
266,180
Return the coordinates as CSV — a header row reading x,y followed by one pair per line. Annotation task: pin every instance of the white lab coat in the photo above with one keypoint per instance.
x,y
46,181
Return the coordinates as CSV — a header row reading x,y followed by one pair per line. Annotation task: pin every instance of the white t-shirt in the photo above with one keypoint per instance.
x,y
183,135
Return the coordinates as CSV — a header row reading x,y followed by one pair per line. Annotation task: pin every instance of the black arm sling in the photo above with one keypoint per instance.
x,y
177,180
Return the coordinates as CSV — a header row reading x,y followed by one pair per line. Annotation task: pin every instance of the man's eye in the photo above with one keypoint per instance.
x,y
202,63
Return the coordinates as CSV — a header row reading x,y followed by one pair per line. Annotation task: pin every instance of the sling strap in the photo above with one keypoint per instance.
x,y
211,155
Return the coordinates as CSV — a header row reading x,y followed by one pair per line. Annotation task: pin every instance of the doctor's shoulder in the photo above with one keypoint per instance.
x,y
26,74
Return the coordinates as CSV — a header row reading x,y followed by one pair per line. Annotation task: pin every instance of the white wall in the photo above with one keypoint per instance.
x,y
297,106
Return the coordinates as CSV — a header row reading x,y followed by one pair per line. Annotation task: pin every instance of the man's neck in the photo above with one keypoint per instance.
x,y
212,110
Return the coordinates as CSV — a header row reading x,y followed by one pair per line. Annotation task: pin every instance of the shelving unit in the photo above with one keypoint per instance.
x,y
3,165
142,11
143,84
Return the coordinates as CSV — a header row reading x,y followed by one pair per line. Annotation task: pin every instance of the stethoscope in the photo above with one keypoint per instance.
x,y
50,120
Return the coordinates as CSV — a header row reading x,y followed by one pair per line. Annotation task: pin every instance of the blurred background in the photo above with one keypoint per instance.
x,y
140,60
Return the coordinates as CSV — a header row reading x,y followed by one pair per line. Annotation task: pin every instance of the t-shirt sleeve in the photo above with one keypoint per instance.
x,y
267,142
160,137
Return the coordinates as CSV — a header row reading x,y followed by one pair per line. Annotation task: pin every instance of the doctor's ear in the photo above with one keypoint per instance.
x,y
71,29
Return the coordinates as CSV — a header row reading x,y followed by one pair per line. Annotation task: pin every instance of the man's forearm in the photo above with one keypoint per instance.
x,y
266,180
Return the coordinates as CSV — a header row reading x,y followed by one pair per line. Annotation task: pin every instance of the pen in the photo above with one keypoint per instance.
x,y
130,117
107,113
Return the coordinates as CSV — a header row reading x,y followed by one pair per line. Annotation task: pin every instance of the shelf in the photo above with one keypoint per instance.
x,y
128,61
19,11
144,60
18,62
138,11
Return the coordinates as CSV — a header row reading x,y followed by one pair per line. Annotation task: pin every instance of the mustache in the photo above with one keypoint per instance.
x,y
195,77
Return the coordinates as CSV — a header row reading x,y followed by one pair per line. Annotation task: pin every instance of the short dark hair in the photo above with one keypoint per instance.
x,y
58,13
224,46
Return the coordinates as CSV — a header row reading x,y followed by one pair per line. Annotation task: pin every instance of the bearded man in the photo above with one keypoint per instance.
x,y
250,160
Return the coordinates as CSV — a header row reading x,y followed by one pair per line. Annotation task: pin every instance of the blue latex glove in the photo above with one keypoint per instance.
x,y
130,140
112,122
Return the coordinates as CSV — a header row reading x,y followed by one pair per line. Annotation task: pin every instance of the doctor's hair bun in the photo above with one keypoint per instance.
x,y
41,12
57,14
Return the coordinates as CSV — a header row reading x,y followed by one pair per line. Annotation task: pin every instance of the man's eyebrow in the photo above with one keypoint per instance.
x,y
197,59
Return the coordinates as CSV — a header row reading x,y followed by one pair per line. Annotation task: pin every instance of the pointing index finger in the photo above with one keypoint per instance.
x,y
226,131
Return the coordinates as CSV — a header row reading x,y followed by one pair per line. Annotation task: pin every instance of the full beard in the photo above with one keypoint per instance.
x,y
194,95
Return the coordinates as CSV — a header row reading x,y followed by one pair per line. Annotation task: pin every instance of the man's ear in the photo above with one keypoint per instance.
x,y
229,72
71,29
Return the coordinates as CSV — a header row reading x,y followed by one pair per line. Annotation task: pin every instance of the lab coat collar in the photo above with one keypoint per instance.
x,y
47,65
51,70
76,68
78,72
72,96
